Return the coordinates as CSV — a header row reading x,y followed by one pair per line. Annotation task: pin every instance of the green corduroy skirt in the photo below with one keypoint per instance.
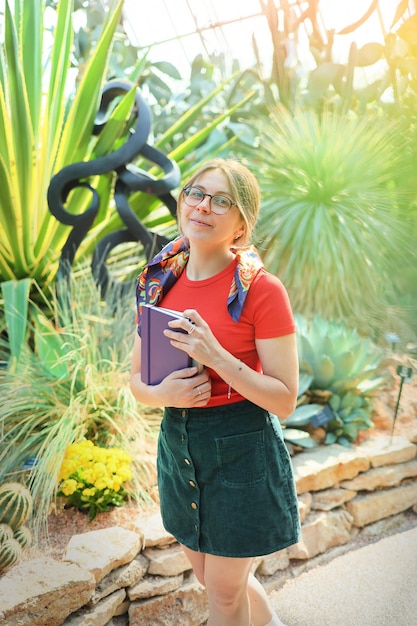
x,y
225,481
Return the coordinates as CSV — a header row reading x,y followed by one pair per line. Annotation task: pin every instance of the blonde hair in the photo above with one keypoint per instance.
x,y
244,189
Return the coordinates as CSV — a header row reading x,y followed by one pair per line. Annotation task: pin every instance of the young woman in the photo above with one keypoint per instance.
x,y
224,474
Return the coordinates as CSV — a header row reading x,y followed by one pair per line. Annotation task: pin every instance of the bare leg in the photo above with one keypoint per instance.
x,y
232,581
226,582
260,606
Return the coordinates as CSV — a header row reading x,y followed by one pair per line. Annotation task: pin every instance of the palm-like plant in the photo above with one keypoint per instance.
x,y
331,223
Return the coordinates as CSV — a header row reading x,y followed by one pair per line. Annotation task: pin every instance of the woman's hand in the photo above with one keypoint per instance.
x,y
198,340
185,388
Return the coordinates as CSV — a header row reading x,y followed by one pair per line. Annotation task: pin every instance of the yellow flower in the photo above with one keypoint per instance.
x,y
69,486
97,475
100,483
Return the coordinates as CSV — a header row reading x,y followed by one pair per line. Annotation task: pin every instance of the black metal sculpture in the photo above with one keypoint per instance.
x,y
129,179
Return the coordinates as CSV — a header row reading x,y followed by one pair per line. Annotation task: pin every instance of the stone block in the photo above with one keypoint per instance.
x,y
155,586
153,531
124,576
272,563
187,606
331,498
43,592
387,450
377,505
323,531
324,467
100,614
378,477
168,562
101,551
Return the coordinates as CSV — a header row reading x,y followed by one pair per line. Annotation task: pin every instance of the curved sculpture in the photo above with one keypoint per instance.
x,y
129,179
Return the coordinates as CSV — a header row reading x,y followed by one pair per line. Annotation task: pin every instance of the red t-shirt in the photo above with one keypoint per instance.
x,y
266,314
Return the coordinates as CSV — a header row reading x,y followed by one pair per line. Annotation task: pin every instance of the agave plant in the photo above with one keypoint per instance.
x,y
38,120
47,121
331,223
345,373
71,382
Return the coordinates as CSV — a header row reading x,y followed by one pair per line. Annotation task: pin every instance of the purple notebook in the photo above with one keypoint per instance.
x,y
158,357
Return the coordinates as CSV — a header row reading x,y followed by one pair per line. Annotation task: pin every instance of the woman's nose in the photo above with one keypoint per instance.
x,y
205,204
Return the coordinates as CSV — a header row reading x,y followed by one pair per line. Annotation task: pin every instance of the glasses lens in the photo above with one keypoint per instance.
x,y
194,195
220,204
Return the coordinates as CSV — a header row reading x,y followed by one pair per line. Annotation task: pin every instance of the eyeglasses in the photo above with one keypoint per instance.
x,y
220,205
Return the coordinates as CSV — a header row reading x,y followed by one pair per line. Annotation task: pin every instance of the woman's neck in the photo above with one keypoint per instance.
x,y
201,266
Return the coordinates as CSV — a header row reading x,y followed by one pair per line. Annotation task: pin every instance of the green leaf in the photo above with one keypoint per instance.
x,y
323,372
168,68
299,438
330,438
344,441
16,294
304,383
369,54
50,347
306,350
303,414
343,364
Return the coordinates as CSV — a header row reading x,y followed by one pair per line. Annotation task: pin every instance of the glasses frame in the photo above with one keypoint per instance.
x,y
211,196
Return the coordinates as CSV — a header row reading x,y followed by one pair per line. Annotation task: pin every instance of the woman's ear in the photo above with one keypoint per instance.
x,y
240,234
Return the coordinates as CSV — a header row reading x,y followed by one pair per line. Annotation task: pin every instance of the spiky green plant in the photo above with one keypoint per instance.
x,y
344,365
43,127
46,123
73,382
331,223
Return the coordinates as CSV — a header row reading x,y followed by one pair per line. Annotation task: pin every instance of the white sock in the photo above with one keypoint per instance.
x,y
275,621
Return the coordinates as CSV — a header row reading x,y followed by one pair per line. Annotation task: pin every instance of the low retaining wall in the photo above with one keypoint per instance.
x,y
140,576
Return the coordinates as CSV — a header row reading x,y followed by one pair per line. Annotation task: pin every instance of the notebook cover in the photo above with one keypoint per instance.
x,y
158,357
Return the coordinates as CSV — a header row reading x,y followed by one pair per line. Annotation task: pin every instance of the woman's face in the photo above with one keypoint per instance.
x,y
200,223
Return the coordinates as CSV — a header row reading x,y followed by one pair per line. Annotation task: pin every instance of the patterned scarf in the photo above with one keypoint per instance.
x,y
162,272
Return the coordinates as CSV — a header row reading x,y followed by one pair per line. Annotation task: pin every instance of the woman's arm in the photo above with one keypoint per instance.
x,y
275,389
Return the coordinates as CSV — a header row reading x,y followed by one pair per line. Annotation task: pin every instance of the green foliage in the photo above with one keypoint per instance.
x,y
10,552
24,536
74,384
344,365
6,532
330,198
15,298
39,137
38,116
332,83
16,504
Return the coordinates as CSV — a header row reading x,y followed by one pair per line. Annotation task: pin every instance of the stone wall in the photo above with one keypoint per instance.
x,y
140,577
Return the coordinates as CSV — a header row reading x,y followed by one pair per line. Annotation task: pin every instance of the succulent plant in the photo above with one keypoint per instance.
x,y
23,536
16,504
6,532
10,551
342,370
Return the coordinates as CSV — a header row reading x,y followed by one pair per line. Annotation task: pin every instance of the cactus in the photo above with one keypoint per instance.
x,y
23,536
16,504
6,532
10,552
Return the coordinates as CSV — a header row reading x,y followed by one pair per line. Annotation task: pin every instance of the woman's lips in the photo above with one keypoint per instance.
x,y
197,222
